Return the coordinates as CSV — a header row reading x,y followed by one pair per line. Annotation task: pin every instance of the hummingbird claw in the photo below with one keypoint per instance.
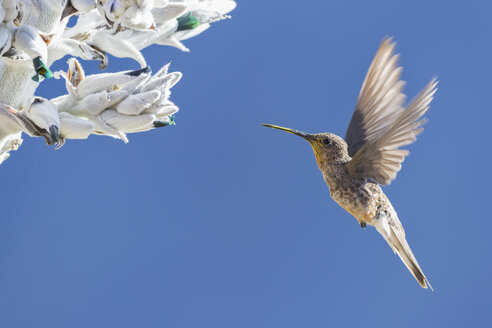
x,y
363,225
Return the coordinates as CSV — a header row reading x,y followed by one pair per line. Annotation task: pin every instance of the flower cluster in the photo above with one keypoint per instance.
x,y
114,104
35,33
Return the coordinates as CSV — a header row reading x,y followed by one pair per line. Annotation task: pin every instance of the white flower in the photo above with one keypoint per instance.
x,y
43,15
114,104
44,115
83,6
9,143
5,40
28,40
40,119
10,10
124,27
34,34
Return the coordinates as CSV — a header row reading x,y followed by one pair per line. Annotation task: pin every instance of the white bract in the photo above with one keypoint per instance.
x,y
40,119
34,34
114,104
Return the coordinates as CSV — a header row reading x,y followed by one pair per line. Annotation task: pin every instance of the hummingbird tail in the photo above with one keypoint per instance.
x,y
395,237
401,247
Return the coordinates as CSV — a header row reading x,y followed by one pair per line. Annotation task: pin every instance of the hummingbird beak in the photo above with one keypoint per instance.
x,y
301,134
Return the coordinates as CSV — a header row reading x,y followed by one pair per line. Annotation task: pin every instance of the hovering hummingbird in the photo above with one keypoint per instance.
x,y
369,156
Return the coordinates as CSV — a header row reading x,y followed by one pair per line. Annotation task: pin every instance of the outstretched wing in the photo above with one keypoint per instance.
x,y
380,124
380,159
380,99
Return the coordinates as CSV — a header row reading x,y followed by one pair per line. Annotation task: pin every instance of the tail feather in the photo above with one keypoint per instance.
x,y
401,247
392,231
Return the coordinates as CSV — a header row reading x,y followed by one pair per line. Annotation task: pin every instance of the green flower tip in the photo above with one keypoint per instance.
x,y
41,69
160,124
187,22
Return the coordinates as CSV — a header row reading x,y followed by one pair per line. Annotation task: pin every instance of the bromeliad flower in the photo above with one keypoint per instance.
x,y
114,104
34,34
114,30
27,40
40,119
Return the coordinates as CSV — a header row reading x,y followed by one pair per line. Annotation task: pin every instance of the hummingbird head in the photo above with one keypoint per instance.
x,y
327,147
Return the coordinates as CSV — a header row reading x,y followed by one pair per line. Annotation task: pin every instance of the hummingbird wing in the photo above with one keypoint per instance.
x,y
380,99
380,125
381,159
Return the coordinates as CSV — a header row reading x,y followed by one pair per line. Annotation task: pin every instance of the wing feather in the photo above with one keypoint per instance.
x,y
380,159
380,99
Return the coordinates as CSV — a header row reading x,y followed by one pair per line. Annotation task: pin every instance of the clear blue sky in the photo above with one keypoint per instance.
x,y
219,222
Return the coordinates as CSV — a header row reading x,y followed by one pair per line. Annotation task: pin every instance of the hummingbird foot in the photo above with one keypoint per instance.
x,y
362,224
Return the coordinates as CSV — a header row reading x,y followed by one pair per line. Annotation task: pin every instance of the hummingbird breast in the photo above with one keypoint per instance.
x,y
360,197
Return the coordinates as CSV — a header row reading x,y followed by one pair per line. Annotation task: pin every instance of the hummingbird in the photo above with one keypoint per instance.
x,y
354,168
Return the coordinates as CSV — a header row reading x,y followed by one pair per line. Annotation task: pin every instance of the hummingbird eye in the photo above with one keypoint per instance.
x,y
326,141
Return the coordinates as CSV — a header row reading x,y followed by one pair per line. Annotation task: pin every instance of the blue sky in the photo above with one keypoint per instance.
x,y
219,222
